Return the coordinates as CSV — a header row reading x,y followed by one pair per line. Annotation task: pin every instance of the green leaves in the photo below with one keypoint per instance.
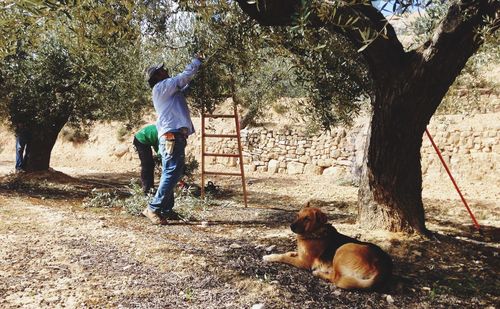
x,y
334,76
257,65
76,61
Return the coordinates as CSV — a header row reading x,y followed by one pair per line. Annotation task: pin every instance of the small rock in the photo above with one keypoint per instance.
x,y
235,246
258,306
271,248
204,223
425,288
417,253
389,299
120,150
337,292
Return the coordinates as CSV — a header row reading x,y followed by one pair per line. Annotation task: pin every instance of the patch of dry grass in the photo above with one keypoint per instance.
x,y
55,255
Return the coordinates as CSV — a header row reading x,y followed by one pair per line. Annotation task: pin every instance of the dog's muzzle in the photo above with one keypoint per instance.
x,y
296,228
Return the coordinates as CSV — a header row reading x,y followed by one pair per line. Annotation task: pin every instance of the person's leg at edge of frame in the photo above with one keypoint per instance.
x,y
147,165
172,168
20,145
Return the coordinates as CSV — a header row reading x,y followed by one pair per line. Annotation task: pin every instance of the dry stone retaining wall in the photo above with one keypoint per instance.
x,y
295,152
470,145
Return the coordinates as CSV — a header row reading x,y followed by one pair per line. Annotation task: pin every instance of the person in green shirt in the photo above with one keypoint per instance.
x,y
144,140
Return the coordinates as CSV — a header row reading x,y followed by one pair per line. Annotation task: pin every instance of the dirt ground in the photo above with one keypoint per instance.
x,y
56,253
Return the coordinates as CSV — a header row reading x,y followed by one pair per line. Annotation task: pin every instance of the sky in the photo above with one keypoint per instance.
x,y
388,8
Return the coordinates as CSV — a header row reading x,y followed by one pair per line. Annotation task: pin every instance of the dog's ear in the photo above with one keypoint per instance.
x,y
321,217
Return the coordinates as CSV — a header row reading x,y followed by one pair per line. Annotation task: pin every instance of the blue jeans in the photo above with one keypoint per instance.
x,y
21,157
171,171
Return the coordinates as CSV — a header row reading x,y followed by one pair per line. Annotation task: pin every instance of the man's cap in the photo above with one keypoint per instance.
x,y
152,70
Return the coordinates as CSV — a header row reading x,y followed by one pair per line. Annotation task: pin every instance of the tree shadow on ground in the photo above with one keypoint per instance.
x,y
448,267
54,185
454,270
59,186
455,219
444,272
109,180
489,234
271,210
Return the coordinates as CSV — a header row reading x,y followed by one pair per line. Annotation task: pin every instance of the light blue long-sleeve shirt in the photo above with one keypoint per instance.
x,y
170,103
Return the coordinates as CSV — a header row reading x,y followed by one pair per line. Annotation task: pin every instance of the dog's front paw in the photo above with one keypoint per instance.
x,y
269,258
318,272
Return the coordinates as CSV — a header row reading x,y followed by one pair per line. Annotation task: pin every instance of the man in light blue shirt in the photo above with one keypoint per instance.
x,y
174,126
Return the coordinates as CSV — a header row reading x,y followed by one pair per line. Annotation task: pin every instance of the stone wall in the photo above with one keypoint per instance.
x,y
295,152
469,144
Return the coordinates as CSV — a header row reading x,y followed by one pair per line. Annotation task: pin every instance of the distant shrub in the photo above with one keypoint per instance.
x,y
280,109
77,135
122,132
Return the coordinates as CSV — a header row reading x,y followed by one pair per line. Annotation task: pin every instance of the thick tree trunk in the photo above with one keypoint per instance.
x,y
390,192
390,195
40,146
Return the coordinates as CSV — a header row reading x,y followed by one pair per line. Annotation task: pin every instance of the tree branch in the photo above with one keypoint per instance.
x,y
440,60
384,53
459,30
271,12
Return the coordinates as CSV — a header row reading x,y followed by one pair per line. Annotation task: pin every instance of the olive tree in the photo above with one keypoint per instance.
x,y
255,65
408,86
69,65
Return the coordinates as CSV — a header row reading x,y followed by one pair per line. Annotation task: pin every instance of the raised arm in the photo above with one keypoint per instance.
x,y
182,79
169,86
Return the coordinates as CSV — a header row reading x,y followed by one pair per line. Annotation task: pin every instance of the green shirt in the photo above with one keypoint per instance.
x,y
148,136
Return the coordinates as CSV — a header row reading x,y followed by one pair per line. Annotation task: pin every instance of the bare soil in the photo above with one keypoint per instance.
x,y
56,253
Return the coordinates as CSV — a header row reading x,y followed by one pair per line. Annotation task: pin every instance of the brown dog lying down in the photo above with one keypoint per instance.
x,y
345,261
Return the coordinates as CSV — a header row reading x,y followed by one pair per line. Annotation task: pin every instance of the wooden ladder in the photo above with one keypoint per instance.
x,y
236,155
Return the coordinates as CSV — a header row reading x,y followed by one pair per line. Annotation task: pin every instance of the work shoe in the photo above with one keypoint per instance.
x,y
154,217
